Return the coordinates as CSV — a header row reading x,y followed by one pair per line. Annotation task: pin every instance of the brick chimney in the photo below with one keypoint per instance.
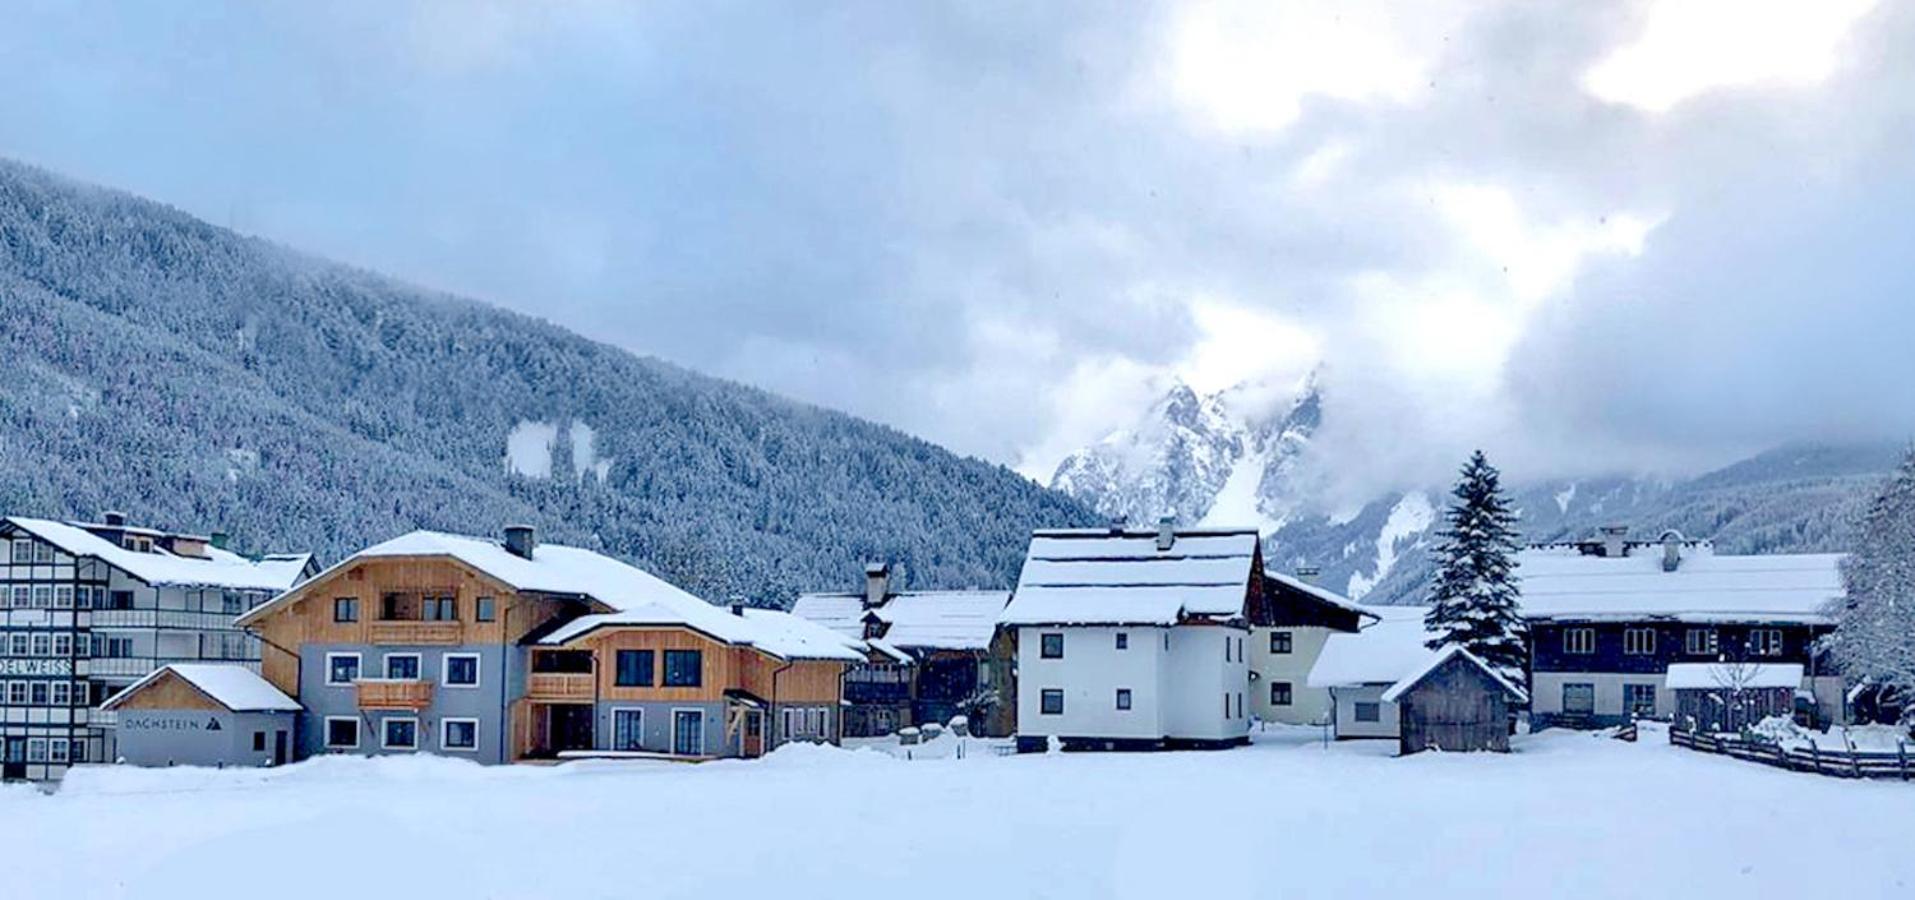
x,y
1308,574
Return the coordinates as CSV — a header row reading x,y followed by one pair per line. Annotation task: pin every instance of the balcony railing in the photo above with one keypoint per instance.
x,y
384,693
559,686
409,632
142,665
161,618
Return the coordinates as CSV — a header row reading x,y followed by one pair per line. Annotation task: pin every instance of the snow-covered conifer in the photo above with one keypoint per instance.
x,y
1474,600
1874,639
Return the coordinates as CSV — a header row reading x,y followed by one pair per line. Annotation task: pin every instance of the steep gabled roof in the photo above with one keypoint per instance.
x,y
1562,583
158,567
1437,659
1099,577
233,686
777,633
1381,653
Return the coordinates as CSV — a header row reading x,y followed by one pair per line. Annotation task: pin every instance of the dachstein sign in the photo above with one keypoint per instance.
x,y
35,667
170,722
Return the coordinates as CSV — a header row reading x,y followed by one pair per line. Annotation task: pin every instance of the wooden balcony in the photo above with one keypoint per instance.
x,y
559,687
411,632
379,693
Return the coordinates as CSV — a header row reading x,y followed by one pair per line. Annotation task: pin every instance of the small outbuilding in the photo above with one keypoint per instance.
x,y
203,714
1454,702
1729,696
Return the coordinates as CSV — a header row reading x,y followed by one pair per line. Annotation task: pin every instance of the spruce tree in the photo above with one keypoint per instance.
x,y
1874,638
1474,600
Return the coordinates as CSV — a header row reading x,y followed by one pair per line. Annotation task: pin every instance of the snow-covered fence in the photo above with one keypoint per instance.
x,y
1848,763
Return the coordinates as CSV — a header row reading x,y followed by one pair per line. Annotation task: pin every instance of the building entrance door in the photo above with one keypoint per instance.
x,y
571,727
15,760
688,732
279,748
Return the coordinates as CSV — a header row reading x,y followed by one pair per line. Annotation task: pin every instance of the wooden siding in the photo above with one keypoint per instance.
x,y
380,694
1458,707
308,618
169,691
724,667
559,687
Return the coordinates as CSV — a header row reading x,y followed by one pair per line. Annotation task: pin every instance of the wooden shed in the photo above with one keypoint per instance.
x,y
1722,697
1455,702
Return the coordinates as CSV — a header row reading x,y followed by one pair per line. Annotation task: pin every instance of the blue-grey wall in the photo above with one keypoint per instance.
x,y
195,737
487,702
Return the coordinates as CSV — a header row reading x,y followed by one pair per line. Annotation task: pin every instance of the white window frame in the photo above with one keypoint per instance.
x,y
358,729
60,694
385,736
445,669
445,726
57,751
43,554
16,693
1711,638
43,643
418,665
1357,710
63,596
621,710
22,596
63,638
1579,641
1124,700
20,644
19,558
43,596
1765,647
1638,641
1289,642
36,750
358,663
701,729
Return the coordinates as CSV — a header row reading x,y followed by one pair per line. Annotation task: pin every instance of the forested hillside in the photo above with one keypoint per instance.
x,y
199,379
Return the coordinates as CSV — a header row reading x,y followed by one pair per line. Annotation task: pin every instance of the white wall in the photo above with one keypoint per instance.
x,y
1308,705
1206,665
1388,723
1090,673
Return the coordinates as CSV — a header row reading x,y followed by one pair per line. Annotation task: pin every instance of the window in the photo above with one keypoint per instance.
x,y
1280,641
342,733
634,668
16,693
573,662
119,647
345,609
18,642
259,741
1226,704
1700,642
400,734
488,609
1123,640
1123,698
42,596
22,550
1765,642
459,734
119,599
1639,641
1051,646
38,696
79,751
1051,702
63,644
1369,712
22,596
42,553
402,666
806,723
1280,693
684,668
63,596
628,729
62,693
439,609
1579,641
1639,699
83,599
1226,648
342,668
43,645
461,670
56,750
1579,699
37,750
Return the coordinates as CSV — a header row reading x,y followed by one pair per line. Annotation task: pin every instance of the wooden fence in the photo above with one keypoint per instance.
x,y
1838,763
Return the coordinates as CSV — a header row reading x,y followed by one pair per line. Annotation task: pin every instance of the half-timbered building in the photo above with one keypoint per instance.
x,y
88,608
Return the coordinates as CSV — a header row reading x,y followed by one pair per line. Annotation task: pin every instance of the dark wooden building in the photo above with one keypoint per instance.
x,y
1457,703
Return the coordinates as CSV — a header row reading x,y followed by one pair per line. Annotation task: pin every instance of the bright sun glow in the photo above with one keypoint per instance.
x,y
1690,47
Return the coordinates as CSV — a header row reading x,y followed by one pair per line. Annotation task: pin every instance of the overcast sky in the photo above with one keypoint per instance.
x,y
1648,235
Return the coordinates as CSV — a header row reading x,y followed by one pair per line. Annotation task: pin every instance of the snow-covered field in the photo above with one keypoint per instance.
x,y
1570,815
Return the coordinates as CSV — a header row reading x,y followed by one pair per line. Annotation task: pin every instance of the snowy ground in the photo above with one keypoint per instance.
x,y
1570,815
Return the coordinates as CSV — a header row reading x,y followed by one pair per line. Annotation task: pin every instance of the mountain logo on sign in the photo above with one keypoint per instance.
x,y
212,723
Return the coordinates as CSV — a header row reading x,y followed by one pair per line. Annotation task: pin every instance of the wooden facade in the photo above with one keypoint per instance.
x,y
723,667
1457,706
168,691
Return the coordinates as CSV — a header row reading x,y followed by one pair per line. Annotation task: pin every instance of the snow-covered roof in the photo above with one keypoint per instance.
x,y
235,687
636,597
926,620
885,647
1722,676
1096,577
1321,593
1381,653
1439,657
1563,583
218,569
777,633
